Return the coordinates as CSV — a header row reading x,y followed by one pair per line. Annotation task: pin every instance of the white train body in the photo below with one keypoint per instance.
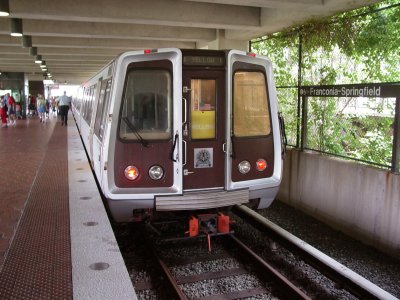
x,y
182,130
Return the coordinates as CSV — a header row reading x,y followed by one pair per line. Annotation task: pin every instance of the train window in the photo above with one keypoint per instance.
x,y
105,109
202,108
88,103
250,105
101,107
89,107
147,105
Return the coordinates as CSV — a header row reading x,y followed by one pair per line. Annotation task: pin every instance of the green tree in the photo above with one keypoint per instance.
x,y
361,46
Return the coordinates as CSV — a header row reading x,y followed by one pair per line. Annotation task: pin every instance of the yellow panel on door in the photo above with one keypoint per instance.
x,y
203,124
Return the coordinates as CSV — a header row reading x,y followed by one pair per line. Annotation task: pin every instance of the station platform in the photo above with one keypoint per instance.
x,y
56,241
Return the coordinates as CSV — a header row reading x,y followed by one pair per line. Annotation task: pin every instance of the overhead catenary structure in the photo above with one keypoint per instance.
x,y
76,38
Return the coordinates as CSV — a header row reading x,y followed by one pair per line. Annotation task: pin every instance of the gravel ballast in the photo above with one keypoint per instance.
x,y
377,267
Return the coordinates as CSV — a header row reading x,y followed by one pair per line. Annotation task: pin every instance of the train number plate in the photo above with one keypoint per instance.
x,y
203,157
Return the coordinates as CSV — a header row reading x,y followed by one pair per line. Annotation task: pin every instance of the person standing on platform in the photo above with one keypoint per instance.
x,y
18,107
41,107
63,104
11,110
3,111
32,105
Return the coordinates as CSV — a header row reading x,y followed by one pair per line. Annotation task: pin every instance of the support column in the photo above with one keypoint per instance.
x,y
304,118
396,139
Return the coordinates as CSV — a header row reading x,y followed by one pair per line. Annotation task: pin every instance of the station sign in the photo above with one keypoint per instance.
x,y
351,90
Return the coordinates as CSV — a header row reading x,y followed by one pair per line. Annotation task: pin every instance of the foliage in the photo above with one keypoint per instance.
x,y
360,46
333,128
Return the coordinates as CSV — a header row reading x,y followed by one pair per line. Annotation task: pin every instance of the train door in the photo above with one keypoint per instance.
x,y
254,145
147,156
203,128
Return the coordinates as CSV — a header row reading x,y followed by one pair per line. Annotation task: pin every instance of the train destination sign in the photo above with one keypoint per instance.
x,y
198,60
357,90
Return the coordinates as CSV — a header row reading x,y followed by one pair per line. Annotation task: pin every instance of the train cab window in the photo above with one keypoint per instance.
x,y
250,105
147,105
203,108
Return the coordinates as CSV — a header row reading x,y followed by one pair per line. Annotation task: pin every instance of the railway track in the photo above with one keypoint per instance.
x,y
344,278
265,278
185,269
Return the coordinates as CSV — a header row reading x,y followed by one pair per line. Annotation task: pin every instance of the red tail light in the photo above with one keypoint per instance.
x,y
261,164
131,172
148,51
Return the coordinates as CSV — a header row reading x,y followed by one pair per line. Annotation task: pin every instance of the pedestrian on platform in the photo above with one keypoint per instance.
x,y
47,108
53,108
18,106
41,107
63,105
11,110
32,105
3,112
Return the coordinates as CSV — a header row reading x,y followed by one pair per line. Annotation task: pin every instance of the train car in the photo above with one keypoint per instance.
x,y
171,130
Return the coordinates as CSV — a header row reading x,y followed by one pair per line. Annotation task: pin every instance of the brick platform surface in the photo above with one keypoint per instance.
x,y
35,258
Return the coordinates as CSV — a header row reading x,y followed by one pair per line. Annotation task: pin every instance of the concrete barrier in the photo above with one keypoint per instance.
x,y
362,201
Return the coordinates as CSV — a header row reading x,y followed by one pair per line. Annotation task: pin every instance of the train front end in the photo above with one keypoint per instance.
x,y
191,131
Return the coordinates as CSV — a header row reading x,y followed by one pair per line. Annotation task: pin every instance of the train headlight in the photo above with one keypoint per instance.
x,y
156,172
261,164
244,167
131,172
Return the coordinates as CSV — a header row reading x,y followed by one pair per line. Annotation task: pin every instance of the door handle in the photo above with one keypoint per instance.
x,y
184,153
187,172
185,110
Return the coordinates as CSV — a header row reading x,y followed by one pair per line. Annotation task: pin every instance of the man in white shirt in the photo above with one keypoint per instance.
x,y
63,106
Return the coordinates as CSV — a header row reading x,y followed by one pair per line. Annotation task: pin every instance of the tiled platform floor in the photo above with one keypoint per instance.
x,y
46,248
34,214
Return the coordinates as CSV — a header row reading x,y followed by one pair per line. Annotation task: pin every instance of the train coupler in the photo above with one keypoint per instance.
x,y
209,225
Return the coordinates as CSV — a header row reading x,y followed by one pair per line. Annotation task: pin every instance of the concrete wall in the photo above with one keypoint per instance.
x,y
362,201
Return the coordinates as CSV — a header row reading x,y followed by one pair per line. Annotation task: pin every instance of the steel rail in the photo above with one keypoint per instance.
x,y
285,286
170,278
353,282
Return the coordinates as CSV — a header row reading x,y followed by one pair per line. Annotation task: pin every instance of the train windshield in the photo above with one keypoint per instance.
x,y
147,105
250,105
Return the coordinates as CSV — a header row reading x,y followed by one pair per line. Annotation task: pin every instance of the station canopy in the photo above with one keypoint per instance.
x,y
75,38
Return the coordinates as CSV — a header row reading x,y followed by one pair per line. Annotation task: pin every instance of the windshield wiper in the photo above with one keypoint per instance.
x,y
136,132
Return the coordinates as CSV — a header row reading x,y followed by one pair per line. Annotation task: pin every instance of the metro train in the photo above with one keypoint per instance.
x,y
182,131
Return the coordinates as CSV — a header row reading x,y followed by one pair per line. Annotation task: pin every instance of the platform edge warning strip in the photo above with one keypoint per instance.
x,y
38,263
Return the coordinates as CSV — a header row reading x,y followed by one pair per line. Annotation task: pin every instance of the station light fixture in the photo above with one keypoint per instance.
x,y
38,59
16,27
48,81
4,8
26,41
43,64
